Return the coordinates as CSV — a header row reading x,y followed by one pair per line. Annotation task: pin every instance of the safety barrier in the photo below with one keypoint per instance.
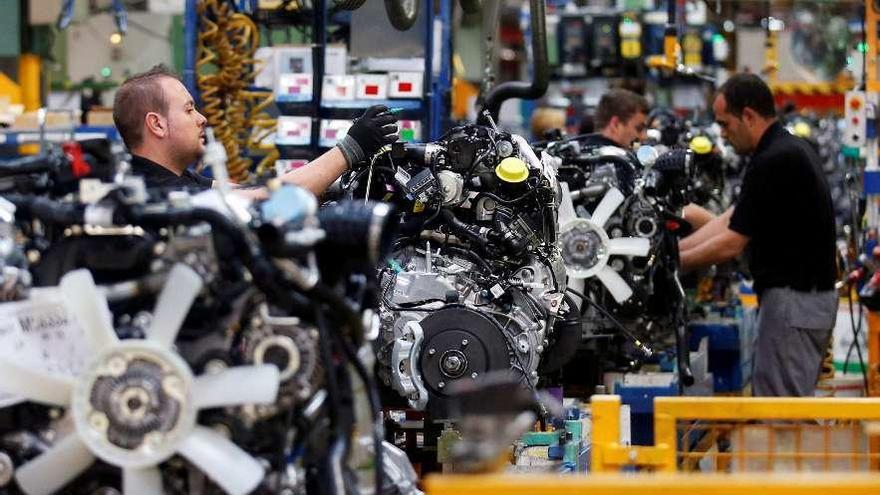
x,y
733,434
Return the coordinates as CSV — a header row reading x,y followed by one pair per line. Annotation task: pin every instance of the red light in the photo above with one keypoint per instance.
x,y
855,103
371,90
405,87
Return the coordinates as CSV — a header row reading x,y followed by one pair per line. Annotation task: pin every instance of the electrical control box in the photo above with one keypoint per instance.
x,y
630,39
856,118
573,48
604,41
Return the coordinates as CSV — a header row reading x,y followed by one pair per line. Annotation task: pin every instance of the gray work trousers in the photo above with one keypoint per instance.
x,y
792,338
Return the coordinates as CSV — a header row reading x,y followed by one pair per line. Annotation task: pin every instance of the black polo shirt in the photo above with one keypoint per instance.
x,y
157,176
785,209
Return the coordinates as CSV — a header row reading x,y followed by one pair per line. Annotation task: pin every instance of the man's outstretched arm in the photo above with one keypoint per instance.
x,y
376,128
712,228
724,246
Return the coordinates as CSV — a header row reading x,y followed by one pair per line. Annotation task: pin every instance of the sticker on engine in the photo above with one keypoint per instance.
x,y
402,177
41,334
496,291
418,207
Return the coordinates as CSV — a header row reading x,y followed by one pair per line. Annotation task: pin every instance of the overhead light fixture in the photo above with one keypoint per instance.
x,y
115,38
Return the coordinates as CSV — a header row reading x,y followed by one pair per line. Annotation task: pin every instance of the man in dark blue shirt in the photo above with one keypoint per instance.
x,y
165,133
621,119
785,220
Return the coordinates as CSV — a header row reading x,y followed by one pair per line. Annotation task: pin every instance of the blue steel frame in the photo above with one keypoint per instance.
x,y
190,34
439,84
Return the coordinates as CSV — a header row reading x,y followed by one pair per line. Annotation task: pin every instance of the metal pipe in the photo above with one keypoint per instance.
x,y
541,78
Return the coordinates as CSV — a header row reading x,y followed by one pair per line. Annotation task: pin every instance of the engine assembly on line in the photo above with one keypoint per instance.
x,y
619,225
151,357
475,281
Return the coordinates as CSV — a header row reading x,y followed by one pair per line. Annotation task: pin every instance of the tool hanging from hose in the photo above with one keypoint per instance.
x,y
225,69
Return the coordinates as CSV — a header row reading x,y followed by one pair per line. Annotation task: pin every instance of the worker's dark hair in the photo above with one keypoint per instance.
x,y
136,97
620,103
743,91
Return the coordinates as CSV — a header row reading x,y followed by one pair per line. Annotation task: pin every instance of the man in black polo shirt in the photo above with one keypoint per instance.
x,y
784,216
158,121
620,117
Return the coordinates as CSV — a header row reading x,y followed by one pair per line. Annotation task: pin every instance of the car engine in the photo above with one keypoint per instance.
x,y
475,282
141,356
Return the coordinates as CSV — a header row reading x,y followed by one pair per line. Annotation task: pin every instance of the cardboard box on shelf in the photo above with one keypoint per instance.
x,y
332,131
100,117
338,88
294,131
372,86
294,87
405,84
336,60
29,120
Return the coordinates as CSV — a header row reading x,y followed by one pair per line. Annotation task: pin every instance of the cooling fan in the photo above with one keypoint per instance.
x,y
586,246
135,404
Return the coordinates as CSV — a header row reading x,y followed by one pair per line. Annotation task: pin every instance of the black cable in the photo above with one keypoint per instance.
x,y
378,431
27,165
647,351
857,330
332,385
30,207
509,201
352,319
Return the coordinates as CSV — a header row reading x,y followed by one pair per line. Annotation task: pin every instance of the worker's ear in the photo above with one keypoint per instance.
x,y
614,122
749,116
156,124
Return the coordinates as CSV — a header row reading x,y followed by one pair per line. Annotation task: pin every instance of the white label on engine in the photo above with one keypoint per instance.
x,y
496,291
40,334
402,176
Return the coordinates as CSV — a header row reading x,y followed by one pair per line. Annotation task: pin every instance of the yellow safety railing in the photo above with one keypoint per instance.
x,y
677,421
659,484
743,434
873,354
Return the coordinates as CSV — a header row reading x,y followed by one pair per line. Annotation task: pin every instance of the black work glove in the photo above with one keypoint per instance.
x,y
374,129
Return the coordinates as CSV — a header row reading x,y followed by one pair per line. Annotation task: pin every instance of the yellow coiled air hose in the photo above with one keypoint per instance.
x,y
225,68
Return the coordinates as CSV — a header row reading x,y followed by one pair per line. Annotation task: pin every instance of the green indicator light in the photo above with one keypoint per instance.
x,y
105,72
408,134
862,47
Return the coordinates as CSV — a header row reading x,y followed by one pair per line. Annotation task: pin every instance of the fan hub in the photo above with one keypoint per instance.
x,y
132,404
585,247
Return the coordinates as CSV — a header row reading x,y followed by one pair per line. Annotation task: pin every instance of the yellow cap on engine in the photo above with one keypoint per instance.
x,y
701,145
512,170
802,129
